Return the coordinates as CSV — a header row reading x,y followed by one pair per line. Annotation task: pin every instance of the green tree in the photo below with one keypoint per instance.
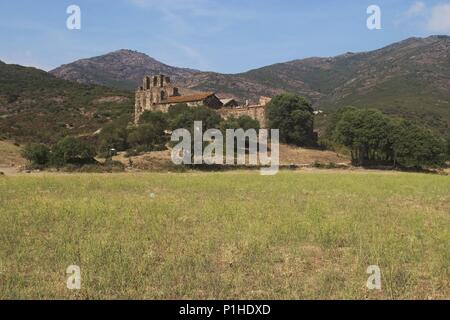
x,y
414,146
71,150
156,118
147,137
374,138
38,154
334,118
243,122
294,117
184,118
366,133
113,135
176,110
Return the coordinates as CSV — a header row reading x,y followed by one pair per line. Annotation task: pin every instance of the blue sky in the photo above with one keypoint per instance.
x,y
226,36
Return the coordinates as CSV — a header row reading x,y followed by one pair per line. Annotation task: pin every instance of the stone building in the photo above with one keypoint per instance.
x,y
157,94
257,112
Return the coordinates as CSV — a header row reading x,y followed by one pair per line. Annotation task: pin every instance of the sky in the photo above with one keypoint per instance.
x,y
211,35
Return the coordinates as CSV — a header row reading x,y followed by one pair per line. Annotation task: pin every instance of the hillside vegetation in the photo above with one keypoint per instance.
x,y
36,106
225,236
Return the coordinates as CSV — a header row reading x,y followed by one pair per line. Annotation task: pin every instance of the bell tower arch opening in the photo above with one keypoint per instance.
x,y
146,83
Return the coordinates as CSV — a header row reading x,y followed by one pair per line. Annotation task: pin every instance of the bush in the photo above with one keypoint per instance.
x,y
414,146
243,122
113,136
146,137
74,151
175,110
37,154
158,119
183,117
294,117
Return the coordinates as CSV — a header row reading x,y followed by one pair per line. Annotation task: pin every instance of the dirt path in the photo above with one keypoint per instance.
x,y
10,171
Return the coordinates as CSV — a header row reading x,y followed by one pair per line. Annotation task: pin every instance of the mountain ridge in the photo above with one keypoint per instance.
x,y
122,69
125,69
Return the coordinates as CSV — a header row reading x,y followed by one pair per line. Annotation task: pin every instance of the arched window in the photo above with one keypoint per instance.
x,y
146,83
163,95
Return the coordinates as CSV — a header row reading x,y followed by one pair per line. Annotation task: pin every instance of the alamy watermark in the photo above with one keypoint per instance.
x,y
74,279
73,22
374,20
374,280
193,151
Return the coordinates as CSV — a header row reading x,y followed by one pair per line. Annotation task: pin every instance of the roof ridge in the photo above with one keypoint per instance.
x,y
188,98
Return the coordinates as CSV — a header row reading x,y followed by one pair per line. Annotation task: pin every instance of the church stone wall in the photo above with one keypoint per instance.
x,y
255,112
155,90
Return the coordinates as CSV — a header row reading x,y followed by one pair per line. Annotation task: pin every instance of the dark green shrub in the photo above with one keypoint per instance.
x,y
243,122
37,154
146,137
112,136
158,119
183,117
71,150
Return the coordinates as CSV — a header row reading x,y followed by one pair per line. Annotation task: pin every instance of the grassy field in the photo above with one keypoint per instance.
x,y
297,235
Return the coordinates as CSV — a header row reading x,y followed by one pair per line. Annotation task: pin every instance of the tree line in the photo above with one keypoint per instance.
x,y
374,138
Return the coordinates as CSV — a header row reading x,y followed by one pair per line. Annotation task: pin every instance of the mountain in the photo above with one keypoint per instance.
x,y
409,78
36,106
123,69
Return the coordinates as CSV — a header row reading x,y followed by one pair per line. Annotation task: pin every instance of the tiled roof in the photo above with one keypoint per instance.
x,y
188,98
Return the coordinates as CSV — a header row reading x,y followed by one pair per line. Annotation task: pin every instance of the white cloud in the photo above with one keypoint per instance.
x,y
193,55
205,8
193,18
440,19
416,9
434,19
194,8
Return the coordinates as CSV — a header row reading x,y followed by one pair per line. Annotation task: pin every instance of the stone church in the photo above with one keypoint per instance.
x,y
157,94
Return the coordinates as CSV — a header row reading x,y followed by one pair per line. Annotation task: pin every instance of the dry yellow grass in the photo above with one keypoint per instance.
x,y
10,158
231,235
300,156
